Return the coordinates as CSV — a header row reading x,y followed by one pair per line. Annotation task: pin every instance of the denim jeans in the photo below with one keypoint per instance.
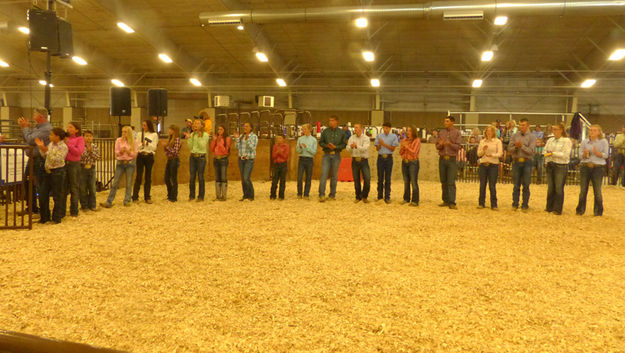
x,y
120,170
556,178
72,187
279,175
521,176
37,163
359,168
619,161
448,171
221,169
410,172
488,175
329,168
52,183
171,178
196,166
87,188
245,168
539,162
144,163
385,169
304,166
588,175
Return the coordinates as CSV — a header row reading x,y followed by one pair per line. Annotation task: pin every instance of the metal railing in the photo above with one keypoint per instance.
x,y
105,167
16,187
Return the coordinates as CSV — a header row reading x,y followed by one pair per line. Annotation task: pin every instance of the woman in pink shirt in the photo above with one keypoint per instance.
x,y
220,148
75,146
409,152
126,150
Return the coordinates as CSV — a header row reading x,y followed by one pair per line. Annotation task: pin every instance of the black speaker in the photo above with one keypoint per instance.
x,y
120,101
65,48
43,30
157,102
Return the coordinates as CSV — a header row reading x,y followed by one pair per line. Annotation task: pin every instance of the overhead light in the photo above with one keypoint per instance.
x,y
488,55
617,55
117,82
375,82
281,82
369,56
165,58
589,83
477,83
24,30
42,82
195,82
78,60
501,20
240,27
51,85
362,22
262,57
124,27
3,63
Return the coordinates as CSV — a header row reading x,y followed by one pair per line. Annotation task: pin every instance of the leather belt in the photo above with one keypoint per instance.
x,y
590,165
86,166
221,157
359,159
520,160
198,155
446,157
385,155
485,164
409,160
145,153
124,162
332,152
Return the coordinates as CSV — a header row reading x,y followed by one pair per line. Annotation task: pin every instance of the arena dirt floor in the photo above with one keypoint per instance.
x,y
298,276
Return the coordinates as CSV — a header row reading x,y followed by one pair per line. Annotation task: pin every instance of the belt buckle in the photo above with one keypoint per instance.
x,y
486,164
521,160
590,165
87,166
358,159
385,156
446,158
332,152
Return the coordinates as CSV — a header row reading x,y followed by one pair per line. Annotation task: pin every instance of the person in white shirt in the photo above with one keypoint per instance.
x,y
557,156
358,144
148,142
489,150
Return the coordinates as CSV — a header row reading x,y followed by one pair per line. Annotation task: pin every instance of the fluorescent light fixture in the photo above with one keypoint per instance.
x,y
42,82
80,61
501,20
362,22
488,55
165,58
281,82
375,82
117,82
194,81
477,83
3,63
24,30
240,27
51,85
617,55
369,56
262,57
589,83
124,27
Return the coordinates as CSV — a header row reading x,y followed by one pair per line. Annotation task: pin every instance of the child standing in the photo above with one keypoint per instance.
x,y
75,146
220,147
279,155
54,176
90,156
126,150
172,150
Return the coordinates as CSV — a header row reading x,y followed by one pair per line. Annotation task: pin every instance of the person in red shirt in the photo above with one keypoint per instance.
x,y
279,156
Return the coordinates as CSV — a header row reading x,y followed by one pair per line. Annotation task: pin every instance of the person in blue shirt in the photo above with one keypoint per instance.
x,y
40,131
385,143
332,141
246,145
306,148
594,151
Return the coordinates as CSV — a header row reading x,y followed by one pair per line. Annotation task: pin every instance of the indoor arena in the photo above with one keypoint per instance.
x,y
312,176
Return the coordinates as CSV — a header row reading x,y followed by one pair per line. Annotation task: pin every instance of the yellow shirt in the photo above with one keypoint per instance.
x,y
208,126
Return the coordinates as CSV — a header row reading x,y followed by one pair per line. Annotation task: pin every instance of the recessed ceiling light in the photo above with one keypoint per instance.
x,y
369,56
240,27
117,82
488,55
80,61
281,82
124,27
3,63
501,20
617,55
165,58
362,22
24,30
42,82
589,83
375,82
477,83
195,82
262,57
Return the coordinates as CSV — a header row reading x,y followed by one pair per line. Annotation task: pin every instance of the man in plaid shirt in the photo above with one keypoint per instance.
x,y
88,159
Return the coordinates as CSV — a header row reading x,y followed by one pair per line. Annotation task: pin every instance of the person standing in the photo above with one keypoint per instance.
x,y
188,128
521,148
42,132
409,151
172,152
619,158
220,147
279,155
148,142
126,149
358,144
197,142
539,159
75,146
332,142
246,145
90,156
557,156
448,145
594,151
489,150
385,143
306,148
434,137
54,176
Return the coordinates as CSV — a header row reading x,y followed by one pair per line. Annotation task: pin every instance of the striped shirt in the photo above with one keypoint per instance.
x,y
173,151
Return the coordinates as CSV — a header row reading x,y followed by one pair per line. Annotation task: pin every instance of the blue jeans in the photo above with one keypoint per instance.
x,y
385,169
556,178
521,175
488,175
305,165
196,167
539,162
72,187
171,178
87,188
120,170
410,172
52,183
279,176
245,168
448,171
619,161
221,169
329,168
359,168
588,175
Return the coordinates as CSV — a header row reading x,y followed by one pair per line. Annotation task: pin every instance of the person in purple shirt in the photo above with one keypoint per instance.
x,y
448,144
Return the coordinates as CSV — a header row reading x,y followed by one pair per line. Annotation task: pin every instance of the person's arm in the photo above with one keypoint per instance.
x,y
299,148
480,149
312,148
95,153
393,144
342,142
456,141
252,142
417,147
153,145
228,143
118,148
287,151
29,135
190,141
213,144
531,144
511,146
604,149
619,141
499,149
133,154
365,146
323,141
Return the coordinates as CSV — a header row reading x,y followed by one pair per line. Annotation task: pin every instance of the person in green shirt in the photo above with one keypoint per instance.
x,y
619,158
197,142
333,141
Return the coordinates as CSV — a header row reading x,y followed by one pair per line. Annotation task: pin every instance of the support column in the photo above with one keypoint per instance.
x,y
377,115
5,120
472,119
136,117
68,116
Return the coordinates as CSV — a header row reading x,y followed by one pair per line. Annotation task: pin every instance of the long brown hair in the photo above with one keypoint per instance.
x,y
561,127
224,137
413,133
76,126
176,135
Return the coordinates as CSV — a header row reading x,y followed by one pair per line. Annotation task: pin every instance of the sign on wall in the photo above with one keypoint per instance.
x,y
12,165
